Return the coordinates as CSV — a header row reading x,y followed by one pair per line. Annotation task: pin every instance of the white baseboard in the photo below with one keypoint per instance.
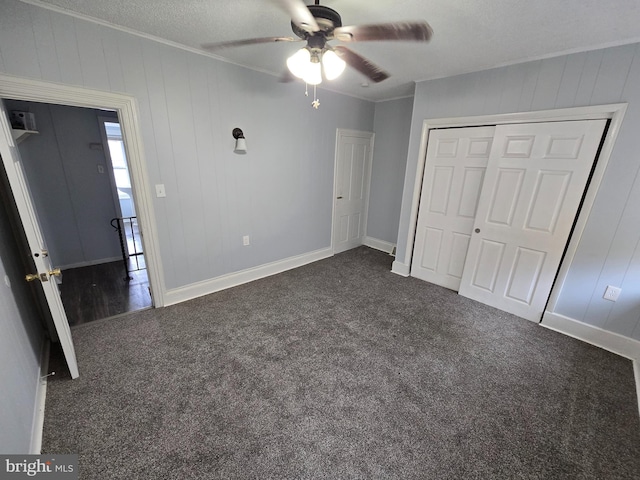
x,y
613,342
381,245
400,268
41,396
188,292
90,263
636,374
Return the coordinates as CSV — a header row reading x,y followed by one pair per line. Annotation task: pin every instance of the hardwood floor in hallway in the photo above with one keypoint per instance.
x,y
101,291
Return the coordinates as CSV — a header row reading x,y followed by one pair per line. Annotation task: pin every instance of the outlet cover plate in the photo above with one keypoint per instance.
x,y
612,293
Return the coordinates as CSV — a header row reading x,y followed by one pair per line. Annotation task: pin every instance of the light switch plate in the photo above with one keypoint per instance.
x,y
160,192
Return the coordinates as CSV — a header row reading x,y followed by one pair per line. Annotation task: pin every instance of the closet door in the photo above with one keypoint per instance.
x,y
454,174
534,182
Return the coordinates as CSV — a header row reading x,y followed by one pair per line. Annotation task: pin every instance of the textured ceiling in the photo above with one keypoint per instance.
x,y
469,35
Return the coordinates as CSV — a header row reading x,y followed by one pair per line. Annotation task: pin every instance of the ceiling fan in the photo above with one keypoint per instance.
x,y
317,25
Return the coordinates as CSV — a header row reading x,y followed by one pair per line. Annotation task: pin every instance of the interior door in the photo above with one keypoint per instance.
x,y
353,176
45,272
454,173
534,182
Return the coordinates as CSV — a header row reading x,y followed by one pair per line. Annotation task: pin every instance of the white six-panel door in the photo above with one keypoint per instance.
x,y
534,182
351,185
453,178
45,271
497,207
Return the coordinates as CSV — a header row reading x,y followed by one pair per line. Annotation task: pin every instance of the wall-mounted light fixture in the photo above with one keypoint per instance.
x,y
241,144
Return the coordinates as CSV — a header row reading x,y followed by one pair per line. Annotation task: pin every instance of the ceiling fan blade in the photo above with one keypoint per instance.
x,y
410,31
300,14
249,41
364,66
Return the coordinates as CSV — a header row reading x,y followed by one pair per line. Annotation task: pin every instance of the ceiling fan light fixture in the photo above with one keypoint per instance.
x,y
306,65
313,75
318,25
333,65
298,62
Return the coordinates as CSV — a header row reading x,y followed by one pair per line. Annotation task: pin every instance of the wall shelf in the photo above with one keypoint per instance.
x,y
21,135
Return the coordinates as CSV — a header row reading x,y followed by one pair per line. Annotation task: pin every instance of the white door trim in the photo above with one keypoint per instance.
x,y
614,112
16,88
343,132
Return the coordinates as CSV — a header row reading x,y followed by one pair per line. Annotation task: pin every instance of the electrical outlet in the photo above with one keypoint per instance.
x,y
612,293
160,192
100,168
245,240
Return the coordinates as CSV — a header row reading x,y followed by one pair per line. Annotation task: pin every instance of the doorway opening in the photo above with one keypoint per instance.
x,y
613,113
497,208
77,171
126,222
124,108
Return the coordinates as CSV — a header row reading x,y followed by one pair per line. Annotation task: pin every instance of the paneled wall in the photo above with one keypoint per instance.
x,y
392,124
74,200
280,193
609,250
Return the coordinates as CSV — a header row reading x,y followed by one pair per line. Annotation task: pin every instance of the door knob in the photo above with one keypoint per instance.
x,y
477,230
36,276
55,272
339,197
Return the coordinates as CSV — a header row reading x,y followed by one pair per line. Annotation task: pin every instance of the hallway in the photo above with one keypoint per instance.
x,y
101,291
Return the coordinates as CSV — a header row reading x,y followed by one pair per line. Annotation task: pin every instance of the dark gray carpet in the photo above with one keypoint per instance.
x,y
339,370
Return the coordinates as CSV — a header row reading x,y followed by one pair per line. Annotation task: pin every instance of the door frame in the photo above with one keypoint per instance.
x,y
126,107
343,132
613,112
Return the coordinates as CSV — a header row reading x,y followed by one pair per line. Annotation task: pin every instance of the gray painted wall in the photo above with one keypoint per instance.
x,y
74,202
392,125
280,193
609,250
21,341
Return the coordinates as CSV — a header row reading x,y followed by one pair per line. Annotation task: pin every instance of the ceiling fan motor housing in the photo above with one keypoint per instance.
x,y
327,18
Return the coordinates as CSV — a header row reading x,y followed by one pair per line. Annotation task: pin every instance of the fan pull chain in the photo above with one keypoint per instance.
x,y
316,103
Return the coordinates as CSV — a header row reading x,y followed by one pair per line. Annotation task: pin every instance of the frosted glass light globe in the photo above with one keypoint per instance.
x,y
333,65
313,76
298,63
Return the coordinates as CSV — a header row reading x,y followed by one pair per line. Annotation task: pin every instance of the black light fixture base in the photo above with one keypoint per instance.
x,y
327,18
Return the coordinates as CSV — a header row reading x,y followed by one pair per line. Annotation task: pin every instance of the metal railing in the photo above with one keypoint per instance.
x,y
129,244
